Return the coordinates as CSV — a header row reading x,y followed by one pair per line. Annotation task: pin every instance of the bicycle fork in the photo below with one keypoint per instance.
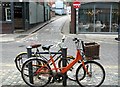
x,y
83,63
86,68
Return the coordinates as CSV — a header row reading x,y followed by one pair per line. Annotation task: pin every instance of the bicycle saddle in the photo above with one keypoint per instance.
x,y
35,45
46,47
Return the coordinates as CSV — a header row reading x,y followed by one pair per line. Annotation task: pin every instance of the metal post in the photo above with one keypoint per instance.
x,y
76,20
94,18
29,54
64,63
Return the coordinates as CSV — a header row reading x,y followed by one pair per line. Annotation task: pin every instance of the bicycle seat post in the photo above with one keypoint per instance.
x,y
37,50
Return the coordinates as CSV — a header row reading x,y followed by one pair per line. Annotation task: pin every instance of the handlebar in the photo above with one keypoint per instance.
x,y
59,44
77,41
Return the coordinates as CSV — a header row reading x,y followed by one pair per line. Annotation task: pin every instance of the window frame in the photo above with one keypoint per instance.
x,y
7,17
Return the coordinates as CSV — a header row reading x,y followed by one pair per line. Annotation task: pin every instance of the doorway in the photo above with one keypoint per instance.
x,y
18,18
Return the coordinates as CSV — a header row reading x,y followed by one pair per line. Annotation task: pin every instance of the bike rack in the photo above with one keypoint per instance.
x,y
64,63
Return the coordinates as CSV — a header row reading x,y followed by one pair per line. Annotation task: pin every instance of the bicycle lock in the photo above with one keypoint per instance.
x,y
64,63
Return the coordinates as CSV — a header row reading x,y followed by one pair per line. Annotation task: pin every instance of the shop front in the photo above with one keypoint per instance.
x,y
98,17
12,17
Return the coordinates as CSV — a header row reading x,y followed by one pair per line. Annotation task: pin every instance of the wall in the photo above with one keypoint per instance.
x,y
6,27
47,11
36,13
40,13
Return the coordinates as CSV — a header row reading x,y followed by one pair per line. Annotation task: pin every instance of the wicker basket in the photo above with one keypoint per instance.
x,y
92,51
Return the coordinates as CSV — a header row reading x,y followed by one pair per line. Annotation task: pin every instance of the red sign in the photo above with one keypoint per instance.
x,y
76,4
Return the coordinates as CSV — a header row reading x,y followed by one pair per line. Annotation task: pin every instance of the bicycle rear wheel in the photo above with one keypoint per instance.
x,y
96,71
20,59
29,75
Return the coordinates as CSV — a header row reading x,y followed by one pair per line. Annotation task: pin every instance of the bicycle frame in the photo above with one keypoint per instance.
x,y
78,57
65,69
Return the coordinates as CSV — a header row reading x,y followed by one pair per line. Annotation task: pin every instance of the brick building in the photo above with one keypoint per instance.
x,y
21,16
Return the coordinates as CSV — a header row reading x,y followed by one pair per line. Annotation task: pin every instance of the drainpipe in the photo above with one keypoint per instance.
x,y
94,18
119,21
26,16
73,20
110,18
12,15
0,11
44,11
118,38
1,18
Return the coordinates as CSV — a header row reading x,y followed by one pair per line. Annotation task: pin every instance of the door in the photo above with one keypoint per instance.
x,y
18,17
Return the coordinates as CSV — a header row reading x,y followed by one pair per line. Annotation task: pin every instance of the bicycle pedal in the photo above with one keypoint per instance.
x,y
52,81
59,81
70,69
79,62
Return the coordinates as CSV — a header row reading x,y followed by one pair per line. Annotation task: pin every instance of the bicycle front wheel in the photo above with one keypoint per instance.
x,y
97,74
39,79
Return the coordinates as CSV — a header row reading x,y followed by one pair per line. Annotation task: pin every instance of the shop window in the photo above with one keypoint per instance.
x,y
98,17
8,14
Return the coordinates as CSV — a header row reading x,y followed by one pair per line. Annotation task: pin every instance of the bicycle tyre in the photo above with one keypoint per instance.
x,y
22,57
98,67
39,79
19,60
71,73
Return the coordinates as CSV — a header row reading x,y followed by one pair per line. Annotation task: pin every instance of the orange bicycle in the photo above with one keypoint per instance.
x,y
38,73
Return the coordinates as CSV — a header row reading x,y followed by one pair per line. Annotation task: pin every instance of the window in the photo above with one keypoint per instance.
x,y
8,14
98,17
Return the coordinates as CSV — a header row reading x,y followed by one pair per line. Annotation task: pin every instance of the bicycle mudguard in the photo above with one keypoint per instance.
x,y
21,53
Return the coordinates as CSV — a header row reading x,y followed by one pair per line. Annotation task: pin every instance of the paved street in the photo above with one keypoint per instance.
x,y
51,34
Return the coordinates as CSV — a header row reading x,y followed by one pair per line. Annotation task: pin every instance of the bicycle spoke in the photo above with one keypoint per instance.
x,y
40,78
97,74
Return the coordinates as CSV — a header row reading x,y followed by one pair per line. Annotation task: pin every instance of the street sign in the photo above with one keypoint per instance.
x,y
76,4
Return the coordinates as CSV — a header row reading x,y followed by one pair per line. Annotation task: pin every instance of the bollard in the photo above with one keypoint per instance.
x,y
29,54
64,63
